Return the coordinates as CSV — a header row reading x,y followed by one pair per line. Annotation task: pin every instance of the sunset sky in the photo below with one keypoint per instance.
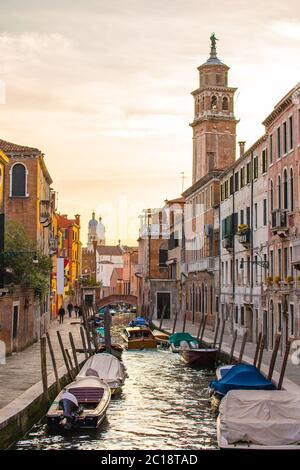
x,y
103,89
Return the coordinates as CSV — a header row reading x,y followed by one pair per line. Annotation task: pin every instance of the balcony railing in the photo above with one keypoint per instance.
x,y
227,243
45,209
279,220
295,244
205,264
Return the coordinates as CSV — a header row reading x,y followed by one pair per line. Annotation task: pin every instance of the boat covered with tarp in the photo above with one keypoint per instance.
x,y
259,419
139,321
108,368
241,377
184,340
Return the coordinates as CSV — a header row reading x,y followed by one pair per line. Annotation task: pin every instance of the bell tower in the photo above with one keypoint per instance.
x,y
214,124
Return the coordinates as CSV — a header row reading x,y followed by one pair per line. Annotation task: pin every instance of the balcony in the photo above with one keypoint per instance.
x,y
227,243
243,235
279,222
53,245
204,264
295,244
45,210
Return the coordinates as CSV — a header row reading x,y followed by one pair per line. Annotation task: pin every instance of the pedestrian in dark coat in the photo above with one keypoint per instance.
x,y
76,308
61,314
70,309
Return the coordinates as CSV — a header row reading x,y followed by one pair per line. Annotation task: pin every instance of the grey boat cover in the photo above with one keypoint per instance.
x,y
105,366
269,418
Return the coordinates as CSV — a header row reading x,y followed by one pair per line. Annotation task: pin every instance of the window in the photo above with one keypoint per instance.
x,y
285,148
163,255
264,212
291,189
242,176
248,270
255,215
214,102
231,185
271,148
255,167
279,263
248,172
272,195
236,181
242,316
279,317
291,133
278,143
241,216
264,161
18,180
226,189
285,263
279,191
285,190
236,314
225,104
272,263
255,270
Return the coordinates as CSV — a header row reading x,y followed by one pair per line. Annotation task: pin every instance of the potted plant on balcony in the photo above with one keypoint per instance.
x,y
269,280
242,229
289,280
277,280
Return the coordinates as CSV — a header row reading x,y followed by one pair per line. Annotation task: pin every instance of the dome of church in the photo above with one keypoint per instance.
x,y
93,222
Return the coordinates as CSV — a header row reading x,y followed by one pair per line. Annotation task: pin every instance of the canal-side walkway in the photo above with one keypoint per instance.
x,y
23,369
292,374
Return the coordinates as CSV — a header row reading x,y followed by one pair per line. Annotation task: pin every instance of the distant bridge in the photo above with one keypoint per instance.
x,y
117,299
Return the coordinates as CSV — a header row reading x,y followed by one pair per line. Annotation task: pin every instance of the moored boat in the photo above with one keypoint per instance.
x,y
116,350
265,420
139,337
82,404
108,368
179,340
202,357
240,377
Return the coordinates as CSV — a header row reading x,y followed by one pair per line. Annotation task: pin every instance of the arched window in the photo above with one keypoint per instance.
x,y
225,104
214,101
285,190
18,180
272,196
203,300
279,192
292,189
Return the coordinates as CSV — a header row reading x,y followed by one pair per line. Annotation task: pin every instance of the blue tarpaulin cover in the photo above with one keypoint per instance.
x,y
139,321
241,377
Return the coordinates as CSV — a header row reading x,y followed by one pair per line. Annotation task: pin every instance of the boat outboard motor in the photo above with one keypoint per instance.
x,y
69,404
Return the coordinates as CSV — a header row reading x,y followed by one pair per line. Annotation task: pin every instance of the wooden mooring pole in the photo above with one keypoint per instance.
x,y
203,327
216,332
184,322
200,327
74,351
174,324
44,367
162,316
257,349
243,346
232,346
284,363
261,351
107,324
274,355
58,387
83,342
221,335
64,355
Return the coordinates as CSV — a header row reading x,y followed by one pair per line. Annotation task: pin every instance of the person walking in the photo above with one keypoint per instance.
x,y
76,308
70,309
61,314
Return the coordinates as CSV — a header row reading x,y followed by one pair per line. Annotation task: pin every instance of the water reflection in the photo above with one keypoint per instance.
x,y
164,405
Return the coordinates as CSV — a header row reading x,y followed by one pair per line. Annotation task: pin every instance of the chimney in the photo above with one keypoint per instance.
x,y
242,144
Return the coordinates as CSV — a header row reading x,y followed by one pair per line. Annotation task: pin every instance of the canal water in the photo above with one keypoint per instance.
x,y
164,405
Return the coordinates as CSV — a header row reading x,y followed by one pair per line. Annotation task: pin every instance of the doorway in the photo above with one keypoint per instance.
x,y
163,303
249,323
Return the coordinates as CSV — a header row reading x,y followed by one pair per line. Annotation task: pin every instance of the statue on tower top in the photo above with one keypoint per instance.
x,y
213,44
